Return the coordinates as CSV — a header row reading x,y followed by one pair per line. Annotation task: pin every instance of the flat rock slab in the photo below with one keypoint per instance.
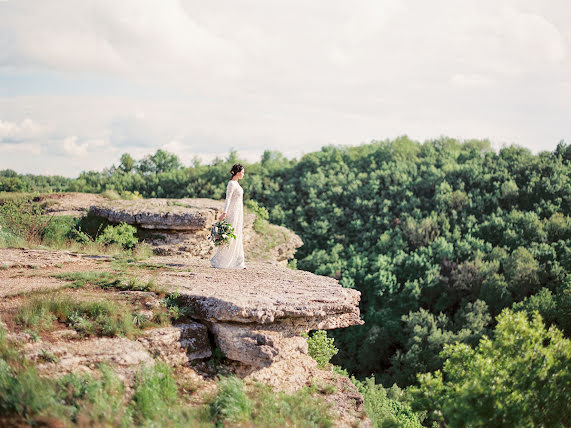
x,y
264,294
20,257
190,214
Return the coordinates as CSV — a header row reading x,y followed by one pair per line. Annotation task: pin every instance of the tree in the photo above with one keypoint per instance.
x,y
521,377
127,163
161,161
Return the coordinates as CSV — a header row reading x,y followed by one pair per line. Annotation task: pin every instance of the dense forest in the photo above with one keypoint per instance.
x,y
455,248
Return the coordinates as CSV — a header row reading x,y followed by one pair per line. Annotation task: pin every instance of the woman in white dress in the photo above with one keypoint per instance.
x,y
232,256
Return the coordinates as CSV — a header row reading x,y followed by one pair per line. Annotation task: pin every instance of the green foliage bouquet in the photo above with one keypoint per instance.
x,y
221,233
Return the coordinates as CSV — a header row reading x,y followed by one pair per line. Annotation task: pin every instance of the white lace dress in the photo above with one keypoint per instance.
x,y
232,256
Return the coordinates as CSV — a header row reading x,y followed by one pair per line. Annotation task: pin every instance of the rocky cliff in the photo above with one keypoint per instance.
x,y
253,319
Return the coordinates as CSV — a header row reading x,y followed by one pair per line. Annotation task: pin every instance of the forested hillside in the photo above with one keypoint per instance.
x,y
439,237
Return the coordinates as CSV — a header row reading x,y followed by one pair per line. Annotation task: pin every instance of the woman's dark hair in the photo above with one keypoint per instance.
x,y
236,169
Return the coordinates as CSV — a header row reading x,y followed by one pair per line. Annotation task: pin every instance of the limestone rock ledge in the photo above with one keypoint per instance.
x,y
256,316
160,214
181,227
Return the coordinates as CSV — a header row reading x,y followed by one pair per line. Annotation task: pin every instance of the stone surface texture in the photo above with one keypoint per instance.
x,y
161,214
82,356
178,344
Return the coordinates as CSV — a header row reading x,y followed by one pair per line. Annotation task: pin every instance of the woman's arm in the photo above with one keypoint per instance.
x,y
229,191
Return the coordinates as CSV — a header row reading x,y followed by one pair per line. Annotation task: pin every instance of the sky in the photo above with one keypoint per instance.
x,y
82,82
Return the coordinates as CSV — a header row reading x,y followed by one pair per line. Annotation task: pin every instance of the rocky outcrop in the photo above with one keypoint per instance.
x,y
181,227
257,347
176,345
161,214
257,316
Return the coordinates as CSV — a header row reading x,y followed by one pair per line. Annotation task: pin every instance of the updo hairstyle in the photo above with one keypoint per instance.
x,y
236,169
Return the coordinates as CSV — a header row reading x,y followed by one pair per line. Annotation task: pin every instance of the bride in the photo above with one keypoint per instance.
x,y
232,255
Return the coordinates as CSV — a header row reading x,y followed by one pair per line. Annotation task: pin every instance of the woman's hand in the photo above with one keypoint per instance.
x,y
222,216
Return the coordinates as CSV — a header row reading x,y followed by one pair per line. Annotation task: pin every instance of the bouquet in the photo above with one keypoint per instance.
x,y
221,233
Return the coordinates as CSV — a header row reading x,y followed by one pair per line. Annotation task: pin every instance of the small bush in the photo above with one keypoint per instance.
x,y
35,317
257,209
320,347
111,195
23,392
58,232
142,251
123,234
87,401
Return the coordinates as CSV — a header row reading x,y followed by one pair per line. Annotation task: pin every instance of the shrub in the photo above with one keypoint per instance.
x,y
59,231
257,209
23,392
320,347
92,401
123,234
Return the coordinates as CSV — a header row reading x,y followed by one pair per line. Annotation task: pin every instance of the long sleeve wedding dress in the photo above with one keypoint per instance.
x,y
232,255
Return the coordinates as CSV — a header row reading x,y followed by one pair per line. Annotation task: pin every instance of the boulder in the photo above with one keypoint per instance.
x,y
178,344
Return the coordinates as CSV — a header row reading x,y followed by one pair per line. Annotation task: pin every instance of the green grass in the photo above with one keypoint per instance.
x,y
23,393
48,356
90,318
108,280
155,391
16,197
98,317
231,403
261,406
277,409
99,279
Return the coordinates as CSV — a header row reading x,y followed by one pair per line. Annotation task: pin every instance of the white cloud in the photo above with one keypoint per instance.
x,y
71,147
26,129
207,77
